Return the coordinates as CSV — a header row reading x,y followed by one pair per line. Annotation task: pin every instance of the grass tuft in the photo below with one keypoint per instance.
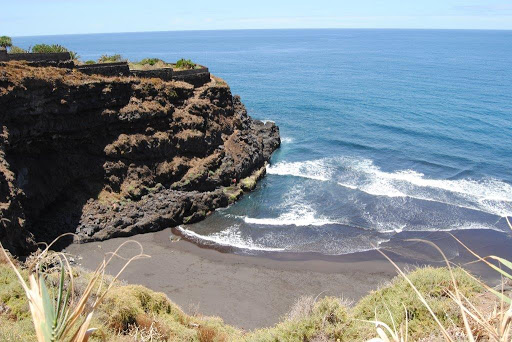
x,y
308,320
387,304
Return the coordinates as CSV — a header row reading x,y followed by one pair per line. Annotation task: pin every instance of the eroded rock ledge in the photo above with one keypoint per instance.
x,y
112,156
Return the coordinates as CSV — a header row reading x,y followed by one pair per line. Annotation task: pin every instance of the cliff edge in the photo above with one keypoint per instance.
x,y
115,156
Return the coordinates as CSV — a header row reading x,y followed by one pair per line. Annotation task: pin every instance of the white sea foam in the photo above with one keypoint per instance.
x,y
463,226
230,237
452,227
312,169
385,217
488,195
286,140
295,211
393,230
291,219
353,187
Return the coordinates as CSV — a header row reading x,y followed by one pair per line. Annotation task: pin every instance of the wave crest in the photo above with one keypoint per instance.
x,y
490,195
230,237
312,169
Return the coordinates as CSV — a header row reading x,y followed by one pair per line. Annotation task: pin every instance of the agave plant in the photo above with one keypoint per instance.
x,y
58,316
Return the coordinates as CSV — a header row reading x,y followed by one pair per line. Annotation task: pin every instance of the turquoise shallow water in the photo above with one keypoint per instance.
x,y
384,131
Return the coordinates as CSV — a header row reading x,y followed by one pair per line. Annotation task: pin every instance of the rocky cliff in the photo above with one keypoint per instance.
x,y
113,156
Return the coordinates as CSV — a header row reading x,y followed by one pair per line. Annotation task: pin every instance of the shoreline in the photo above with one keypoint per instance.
x,y
255,291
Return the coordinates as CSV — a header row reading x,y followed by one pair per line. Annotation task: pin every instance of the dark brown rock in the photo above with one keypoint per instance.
x,y
114,156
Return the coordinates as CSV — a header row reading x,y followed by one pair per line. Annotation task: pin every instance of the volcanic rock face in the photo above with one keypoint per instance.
x,y
109,156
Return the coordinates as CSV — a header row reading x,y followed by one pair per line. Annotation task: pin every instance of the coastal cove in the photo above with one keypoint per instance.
x,y
386,136
295,185
383,131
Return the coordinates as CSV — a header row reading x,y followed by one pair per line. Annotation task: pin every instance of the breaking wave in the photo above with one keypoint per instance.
x,y
301,216
489,195
230,237
296,210
312,169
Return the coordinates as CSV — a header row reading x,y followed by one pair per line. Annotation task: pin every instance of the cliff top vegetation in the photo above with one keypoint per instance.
x,y
144,64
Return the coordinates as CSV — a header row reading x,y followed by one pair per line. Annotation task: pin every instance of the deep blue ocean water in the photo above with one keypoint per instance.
x,y
384,131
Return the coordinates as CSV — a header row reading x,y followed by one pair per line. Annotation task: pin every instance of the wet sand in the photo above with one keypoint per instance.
x,y
256,291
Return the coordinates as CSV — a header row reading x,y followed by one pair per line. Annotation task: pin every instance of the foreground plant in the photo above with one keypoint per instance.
x,y
60,317
496,326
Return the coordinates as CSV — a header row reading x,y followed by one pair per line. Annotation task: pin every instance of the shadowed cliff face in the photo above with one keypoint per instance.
x,y
104,157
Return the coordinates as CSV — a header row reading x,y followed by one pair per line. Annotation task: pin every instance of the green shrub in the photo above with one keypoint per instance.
x,y
309,320
185,64
111,59
149,64
17,49
16,330
12,294
53,48
150,61
394,299
90,62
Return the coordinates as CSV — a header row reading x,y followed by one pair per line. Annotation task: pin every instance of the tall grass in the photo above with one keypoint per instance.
x,y
56,314
478,324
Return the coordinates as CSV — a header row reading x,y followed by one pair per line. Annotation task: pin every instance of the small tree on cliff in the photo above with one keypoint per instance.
x,y
5,42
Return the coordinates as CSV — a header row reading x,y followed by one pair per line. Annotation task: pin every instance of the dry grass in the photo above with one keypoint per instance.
x,y
302,308
210,334
16,73
158,65
325,320
149,108
219,81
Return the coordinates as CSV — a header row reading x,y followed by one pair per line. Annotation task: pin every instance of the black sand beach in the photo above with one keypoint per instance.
x,y
256,291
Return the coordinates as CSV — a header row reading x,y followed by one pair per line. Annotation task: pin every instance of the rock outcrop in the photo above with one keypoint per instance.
x,y
114,156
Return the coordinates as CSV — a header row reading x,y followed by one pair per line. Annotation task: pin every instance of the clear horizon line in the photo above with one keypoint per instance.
x,y
275,29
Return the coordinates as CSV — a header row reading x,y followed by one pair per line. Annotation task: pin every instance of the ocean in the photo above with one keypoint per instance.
x,y
386,134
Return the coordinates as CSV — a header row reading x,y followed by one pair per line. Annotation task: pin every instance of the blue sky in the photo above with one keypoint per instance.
x,y
42,17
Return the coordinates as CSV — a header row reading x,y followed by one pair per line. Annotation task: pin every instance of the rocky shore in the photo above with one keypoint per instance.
x,y
115,156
